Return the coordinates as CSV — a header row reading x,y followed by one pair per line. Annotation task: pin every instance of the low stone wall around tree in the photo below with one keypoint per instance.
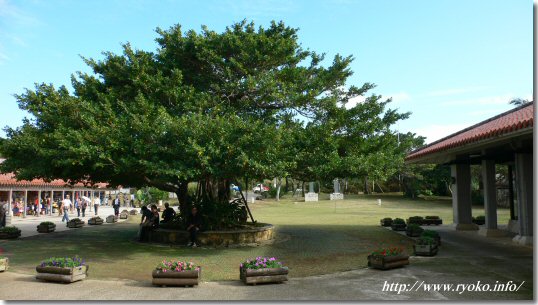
x,y
252,235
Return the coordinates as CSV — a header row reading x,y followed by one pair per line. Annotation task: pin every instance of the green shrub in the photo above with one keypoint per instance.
x,y
424,240
430,233
387,219
47,223
9,229
432,217
481,218
414,228
398,221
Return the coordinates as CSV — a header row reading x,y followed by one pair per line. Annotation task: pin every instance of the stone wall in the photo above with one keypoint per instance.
x,y
213,238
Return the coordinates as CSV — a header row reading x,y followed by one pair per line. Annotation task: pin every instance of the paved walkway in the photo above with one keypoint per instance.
x,y
28,224
464,258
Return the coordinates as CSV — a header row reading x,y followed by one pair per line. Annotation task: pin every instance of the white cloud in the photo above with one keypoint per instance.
x,y
437,131
354,101
454,91
399,97
481,101
8,10
256,8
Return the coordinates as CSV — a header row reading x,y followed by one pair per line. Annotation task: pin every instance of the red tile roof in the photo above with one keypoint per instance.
x,y
10,180
513,120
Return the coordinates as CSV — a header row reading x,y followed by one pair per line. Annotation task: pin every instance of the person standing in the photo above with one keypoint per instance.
x,y
84,205
116,206
66,205
96,203
77,206
194,224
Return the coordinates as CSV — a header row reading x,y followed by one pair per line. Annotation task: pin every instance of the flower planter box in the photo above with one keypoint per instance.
x,y
415,220
133,212
48,228
4,264
479,221
10,235
95,221
75,224
111,219
124,215
265,275
385,222
432,220
61,275
425,250
387,262
413,233
398,226
176,278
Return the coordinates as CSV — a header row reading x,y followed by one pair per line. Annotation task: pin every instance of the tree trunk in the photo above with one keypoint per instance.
x,y
366,187
302,189
182,194
286,188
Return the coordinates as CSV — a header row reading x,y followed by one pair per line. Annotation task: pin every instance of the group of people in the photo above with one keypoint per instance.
x,y
151,220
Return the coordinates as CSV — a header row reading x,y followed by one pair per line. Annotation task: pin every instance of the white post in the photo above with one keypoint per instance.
x,y
38,210
461,197
91,203
51,201
10,201
25,202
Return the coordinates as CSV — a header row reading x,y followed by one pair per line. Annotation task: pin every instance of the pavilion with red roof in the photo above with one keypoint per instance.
x,y
503,139
18,193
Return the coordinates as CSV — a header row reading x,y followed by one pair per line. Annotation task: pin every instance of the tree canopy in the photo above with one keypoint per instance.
x,y
206,107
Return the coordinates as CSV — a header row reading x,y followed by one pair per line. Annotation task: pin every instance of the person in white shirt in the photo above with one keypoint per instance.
x,y
66,204
96,203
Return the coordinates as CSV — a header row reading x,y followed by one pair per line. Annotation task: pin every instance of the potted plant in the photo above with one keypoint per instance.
x,y
124,214
62,269
46,227
111,219
425,246
479,220
95,221
262,270
75,223
398,224
4,264
386,222
432,220
432,234
413,230
415,220
133,212
388,258
176,273
9,232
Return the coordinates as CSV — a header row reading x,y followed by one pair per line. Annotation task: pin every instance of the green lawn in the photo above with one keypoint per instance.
x,y
312,238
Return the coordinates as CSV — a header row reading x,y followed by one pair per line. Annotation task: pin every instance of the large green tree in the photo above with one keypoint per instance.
x,y
204,107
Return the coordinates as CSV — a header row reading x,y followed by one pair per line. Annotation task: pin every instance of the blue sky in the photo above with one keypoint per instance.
x,y
451,63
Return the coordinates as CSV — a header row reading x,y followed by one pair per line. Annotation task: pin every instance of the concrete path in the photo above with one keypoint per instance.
x,y
464,258
28,224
